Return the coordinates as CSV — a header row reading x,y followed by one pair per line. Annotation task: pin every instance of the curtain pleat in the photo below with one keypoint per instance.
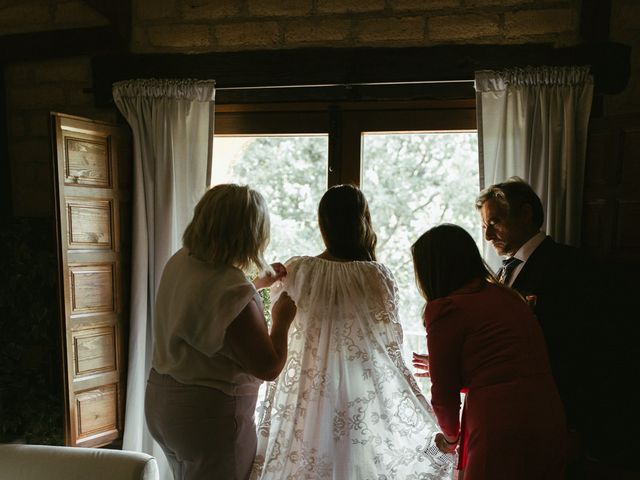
x,y
172,125
532,123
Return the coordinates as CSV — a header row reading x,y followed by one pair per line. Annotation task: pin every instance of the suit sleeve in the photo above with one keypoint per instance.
x,y
445,338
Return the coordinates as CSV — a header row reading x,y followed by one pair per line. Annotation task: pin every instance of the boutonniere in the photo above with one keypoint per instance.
x,y
531,300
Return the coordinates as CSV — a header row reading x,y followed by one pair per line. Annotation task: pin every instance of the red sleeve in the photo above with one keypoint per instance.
x,y
445,339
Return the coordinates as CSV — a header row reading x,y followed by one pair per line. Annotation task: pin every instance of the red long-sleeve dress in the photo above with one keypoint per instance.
x,y
483,340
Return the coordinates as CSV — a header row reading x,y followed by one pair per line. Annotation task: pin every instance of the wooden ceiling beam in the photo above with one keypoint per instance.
x,y
610,65
60,43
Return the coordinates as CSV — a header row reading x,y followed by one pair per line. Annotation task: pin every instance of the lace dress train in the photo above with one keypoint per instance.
x,y
345,406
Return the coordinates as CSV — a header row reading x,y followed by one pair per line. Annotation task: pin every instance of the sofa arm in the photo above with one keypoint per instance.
x,y
35,462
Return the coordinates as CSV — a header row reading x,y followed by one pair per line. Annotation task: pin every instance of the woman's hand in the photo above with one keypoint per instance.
x,y
262,353
445,443
267,280
421,362
284,310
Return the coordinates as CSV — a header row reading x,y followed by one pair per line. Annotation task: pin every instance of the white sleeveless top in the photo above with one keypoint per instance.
x,y
195,304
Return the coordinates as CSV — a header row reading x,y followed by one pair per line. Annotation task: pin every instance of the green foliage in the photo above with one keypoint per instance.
x,y
266,305
291,173
31,397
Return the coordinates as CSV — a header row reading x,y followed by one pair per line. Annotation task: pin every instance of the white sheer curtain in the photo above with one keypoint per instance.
x,y
532,122
172,124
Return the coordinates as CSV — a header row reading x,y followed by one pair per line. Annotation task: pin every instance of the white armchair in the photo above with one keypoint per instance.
x,y
40,462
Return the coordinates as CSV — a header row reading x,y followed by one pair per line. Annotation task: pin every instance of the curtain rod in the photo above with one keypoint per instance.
x,y
345,85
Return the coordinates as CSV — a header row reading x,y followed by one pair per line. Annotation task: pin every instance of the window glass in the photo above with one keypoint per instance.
x,y
290,171
414,181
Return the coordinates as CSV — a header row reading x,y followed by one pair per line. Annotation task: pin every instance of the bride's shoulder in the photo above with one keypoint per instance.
x,y
297,262
382,269
377,271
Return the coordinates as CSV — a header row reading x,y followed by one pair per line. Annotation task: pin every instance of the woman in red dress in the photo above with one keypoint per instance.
x,y
484,341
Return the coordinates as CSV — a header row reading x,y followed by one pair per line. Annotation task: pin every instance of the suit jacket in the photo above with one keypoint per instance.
x,y
564,283
589,322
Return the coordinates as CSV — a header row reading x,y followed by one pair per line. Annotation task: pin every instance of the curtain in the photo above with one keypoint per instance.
x,y
172,124
532,122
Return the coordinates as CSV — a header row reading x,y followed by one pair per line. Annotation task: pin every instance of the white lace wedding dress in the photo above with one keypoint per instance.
x,y
345,407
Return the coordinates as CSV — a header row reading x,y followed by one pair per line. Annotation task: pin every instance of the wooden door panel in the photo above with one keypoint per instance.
x,y
92,187
595,235
87,161
630,162
93,288
97,415
90,223
95,351
611,221
627,238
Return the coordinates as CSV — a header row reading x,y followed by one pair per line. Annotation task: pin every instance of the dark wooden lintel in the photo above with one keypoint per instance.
x,y
60,44
610,65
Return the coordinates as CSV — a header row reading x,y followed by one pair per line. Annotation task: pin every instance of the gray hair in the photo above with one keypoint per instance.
x,y
512,195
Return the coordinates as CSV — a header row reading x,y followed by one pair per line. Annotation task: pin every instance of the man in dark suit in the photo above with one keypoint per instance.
x,y
565,290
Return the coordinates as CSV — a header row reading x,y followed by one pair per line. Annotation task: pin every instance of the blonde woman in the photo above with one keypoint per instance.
x,y
211,343
346,406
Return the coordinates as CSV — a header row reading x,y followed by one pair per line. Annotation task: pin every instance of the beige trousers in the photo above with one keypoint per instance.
x,y
204,433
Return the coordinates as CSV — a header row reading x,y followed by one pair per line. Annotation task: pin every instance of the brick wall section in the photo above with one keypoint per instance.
x,y
277,8
249,34
255,24
455,28
34,90
158,9
317,31
541,22
24,17
77,13
352,6
210,11
425,5
385,30
19,16
180,36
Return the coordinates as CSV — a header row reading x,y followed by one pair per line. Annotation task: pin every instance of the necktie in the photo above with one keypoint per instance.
x,y
508,266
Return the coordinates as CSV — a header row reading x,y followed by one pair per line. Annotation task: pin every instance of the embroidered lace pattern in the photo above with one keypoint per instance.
x,y
345,406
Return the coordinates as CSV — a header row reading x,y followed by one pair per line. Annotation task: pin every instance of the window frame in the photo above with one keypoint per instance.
x,y
345,123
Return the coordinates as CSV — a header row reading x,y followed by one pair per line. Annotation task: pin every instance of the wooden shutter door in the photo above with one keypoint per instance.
x,y
92,185
611,228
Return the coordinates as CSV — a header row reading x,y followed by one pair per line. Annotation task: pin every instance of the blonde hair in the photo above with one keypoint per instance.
x,y
230,226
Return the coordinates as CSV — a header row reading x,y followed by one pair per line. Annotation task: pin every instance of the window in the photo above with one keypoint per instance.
x,y
415,161
291,172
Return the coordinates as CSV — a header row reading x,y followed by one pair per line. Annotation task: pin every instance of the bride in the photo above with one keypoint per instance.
x,y
345,405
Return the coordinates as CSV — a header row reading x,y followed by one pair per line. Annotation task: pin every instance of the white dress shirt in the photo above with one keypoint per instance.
x,y
525,252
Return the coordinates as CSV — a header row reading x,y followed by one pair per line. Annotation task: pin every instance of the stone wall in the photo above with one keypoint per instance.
x,y
202,26
196,26
35,89
22,16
